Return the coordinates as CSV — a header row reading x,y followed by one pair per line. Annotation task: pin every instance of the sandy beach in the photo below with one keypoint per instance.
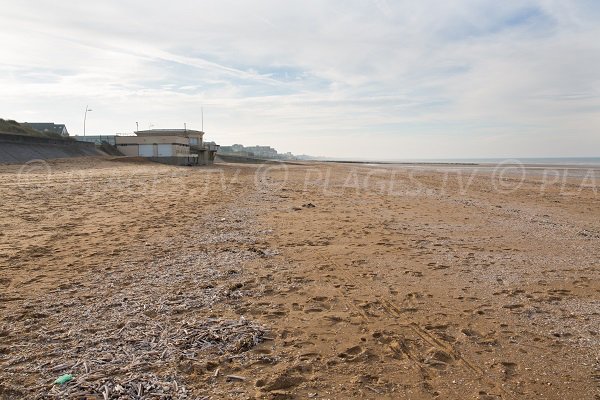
x,y
314,280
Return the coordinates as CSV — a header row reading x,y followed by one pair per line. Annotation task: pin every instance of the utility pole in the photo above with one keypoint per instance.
x,y
85,117
202,113
137,127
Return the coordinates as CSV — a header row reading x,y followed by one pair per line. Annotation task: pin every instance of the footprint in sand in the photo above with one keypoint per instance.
x,y
438,359
357,354
506,369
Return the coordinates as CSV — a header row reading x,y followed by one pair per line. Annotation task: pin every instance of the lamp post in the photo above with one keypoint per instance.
x,y
85,117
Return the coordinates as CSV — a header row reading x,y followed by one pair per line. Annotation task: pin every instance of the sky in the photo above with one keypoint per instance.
x,y
371,79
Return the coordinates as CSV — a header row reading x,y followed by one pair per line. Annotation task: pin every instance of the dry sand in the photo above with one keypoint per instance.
x,y
297,281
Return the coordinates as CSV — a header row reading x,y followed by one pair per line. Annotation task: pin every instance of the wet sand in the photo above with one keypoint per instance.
x,y
297,281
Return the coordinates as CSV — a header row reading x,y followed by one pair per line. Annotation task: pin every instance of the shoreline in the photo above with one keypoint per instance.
x,y
466,164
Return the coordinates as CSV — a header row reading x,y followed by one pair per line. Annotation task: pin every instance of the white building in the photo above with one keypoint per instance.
x,y
170,146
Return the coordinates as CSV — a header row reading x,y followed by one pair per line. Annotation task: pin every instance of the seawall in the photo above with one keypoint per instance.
x,y
15,149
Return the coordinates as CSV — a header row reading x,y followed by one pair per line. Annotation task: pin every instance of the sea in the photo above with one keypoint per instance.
x,y
585,168
558,161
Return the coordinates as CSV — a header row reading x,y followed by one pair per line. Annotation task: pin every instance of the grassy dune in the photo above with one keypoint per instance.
x,y
11,126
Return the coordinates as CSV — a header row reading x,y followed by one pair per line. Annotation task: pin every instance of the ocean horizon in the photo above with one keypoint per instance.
x,y
574,161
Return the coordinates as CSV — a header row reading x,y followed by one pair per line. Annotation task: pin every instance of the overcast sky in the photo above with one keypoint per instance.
x,y
386,79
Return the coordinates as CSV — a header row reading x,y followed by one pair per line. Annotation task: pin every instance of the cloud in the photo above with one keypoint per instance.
x,y
315,77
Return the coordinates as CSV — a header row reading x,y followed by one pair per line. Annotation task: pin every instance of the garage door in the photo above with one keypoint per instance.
x,y
147,150
165,150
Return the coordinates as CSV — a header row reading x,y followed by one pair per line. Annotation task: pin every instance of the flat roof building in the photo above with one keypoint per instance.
x,y
169,146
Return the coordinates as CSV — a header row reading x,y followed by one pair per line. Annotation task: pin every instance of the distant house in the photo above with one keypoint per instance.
x,y
252,151
169,146
237,147
262,151
48,127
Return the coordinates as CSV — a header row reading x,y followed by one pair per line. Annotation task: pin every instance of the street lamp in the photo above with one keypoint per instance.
x,y
85,117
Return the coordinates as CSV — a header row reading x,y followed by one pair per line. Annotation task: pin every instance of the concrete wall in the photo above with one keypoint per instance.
x,y
129,150
96,139
151,140
153,150
22,148
206,157
241,159
198,138
130,145
175,160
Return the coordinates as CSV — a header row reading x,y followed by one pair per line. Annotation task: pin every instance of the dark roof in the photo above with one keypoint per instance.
x,y
48,127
